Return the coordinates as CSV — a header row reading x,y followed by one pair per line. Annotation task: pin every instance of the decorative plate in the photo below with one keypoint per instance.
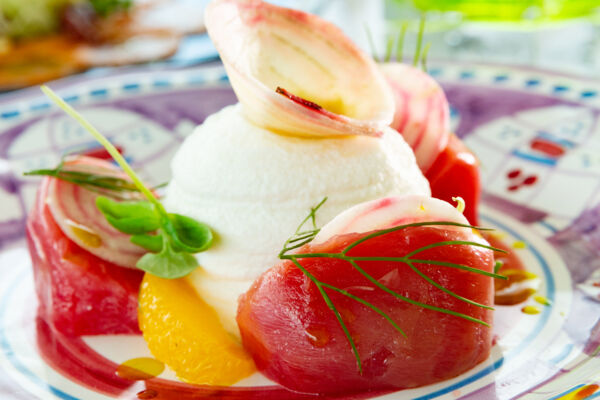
x,y
536,134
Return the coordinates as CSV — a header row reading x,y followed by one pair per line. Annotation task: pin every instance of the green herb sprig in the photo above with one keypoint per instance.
x,y
421,51
419,45
109,185
170,238
302,237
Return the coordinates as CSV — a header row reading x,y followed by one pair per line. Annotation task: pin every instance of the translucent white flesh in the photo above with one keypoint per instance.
x,y
422,111
264,47
389,212
74,210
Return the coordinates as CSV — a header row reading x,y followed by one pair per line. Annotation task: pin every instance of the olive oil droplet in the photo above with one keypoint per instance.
x,y
519,245
85,234
139,369
530,310
543,300
317,336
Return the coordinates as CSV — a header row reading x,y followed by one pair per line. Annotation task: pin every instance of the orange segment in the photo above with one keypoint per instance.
x,y
185,333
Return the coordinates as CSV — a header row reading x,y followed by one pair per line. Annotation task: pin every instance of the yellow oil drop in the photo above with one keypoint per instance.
x,y
519,245
85,234
542,300
498,235
317,336
530,310
519,274
336,106
139,369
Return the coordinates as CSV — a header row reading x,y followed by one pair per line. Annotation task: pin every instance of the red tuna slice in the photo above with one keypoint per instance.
x,y
79,293
296,340
455,172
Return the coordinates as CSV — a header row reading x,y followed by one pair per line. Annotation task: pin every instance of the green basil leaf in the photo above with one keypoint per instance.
x,y
168,264
131,217
188,234
151,243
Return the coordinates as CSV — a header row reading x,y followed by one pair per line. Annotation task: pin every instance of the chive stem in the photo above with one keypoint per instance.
x,y
446,290
400,43
424,56
366,303
371,43
389,49
419,44
411,301
112,150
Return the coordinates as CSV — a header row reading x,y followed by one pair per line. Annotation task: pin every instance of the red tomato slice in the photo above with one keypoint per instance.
x,y
296,340
455,172
79,293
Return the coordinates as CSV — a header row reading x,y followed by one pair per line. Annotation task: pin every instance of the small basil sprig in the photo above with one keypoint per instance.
x,y
170,238
130,217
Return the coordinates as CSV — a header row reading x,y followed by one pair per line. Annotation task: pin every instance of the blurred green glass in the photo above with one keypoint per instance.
x,y
511,10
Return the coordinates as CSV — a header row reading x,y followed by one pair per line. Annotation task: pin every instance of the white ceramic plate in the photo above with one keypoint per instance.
x,y
515,120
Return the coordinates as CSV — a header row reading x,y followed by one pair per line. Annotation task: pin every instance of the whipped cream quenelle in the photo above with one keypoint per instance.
x,y
254,187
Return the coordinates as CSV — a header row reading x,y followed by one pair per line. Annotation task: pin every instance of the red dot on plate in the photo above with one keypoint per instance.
x,y
514,173
530,180
513,187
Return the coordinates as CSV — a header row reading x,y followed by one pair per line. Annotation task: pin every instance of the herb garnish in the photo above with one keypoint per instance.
x,y
170,238
109,185
302,237
421,52
419,44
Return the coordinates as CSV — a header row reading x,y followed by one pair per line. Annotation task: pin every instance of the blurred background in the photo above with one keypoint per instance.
x,y
41,40
561,35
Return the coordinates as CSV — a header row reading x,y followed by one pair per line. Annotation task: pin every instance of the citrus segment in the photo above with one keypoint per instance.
x,y
185,333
